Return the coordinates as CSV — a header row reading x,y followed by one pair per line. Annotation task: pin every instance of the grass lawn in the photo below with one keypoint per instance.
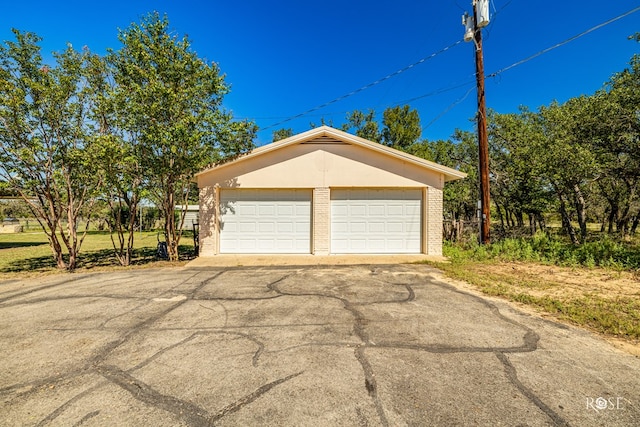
x,y
29,252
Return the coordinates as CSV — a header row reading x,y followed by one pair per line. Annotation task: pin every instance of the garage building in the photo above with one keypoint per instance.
x,y
323,192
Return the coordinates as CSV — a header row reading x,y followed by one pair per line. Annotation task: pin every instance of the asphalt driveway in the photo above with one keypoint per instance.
x,y
364,345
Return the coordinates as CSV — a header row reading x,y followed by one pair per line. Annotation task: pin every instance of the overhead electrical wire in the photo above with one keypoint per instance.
x,y
529,58
562,43
387,77
438,91
449,107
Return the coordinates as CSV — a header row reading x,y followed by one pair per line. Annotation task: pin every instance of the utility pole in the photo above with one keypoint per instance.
x,y
473,32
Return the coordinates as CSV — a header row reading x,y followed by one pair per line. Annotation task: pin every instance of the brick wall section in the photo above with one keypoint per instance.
x,y
434,221
208,198
321,220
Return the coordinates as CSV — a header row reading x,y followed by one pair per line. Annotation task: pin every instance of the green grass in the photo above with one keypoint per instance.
x,y
600,251
30,251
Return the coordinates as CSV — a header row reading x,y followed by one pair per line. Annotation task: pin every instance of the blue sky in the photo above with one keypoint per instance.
x,y
283,58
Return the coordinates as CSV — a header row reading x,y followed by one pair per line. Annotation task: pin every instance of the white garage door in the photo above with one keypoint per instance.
x,y
265,221
376,221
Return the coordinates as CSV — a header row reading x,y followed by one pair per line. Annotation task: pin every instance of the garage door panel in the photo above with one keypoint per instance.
x,y
339,227
303,227
376,221
285,210
244,227
265,221
266,210
377,227
243,209
395,227
339,210
397,210
358,210
285,227
266,227
377,210
357,227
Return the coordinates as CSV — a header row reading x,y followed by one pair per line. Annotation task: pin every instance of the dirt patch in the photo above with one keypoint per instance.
x,y
574,282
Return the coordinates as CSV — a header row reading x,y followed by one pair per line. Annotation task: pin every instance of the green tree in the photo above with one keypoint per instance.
x,y
117,155
460,196
569,164
282,134
364,125
173,102
518,185
44,140
401,127
613,130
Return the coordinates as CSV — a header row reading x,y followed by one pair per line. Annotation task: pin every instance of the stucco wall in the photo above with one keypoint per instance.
x,y
321,165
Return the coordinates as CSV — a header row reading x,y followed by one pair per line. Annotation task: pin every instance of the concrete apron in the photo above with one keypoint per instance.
x,y
233,260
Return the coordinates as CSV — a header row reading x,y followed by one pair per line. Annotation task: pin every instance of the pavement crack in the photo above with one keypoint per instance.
x,y
239,404
512,375
370,384
162,351
412,294
188,412
40,288
86,418
226,313
274,288
104,352
60,409
531,338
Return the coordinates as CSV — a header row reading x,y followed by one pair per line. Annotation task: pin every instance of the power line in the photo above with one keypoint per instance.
x,y
387,77
562,43
438,91
495,74
449,107
435,92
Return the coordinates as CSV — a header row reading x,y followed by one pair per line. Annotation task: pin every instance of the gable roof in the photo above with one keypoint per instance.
x,y
329,135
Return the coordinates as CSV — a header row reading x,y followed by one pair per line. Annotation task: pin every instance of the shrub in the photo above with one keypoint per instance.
x,y
603,251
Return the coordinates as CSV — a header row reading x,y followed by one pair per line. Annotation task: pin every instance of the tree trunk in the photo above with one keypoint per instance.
x,y
634,225
56,248
499,214
613,213
581,211
603,225
532,223
170,224
541,222
520,218
566,220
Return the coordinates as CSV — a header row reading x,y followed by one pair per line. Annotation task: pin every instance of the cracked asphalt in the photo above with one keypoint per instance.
x,y
368,345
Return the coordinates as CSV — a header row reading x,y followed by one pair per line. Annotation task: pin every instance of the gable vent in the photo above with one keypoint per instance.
x,y
324,140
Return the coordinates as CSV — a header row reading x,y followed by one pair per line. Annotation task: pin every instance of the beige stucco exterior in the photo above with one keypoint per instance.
x,y
320,160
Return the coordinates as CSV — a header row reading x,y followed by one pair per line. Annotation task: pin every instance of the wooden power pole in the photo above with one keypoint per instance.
x,y
474,32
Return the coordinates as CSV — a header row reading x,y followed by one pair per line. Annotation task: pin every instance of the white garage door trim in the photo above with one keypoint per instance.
x,y
373,221
265,221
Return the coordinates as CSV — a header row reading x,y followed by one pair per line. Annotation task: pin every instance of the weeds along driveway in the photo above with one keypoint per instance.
x,y
344,345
